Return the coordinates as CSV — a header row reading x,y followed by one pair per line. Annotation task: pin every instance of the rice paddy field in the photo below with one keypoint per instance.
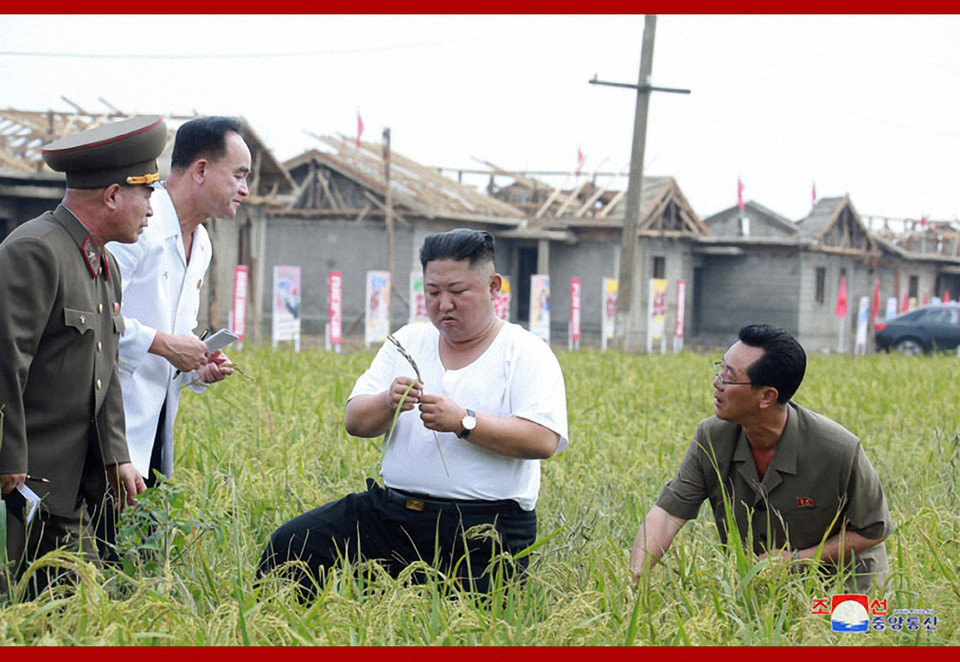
x,y
269,444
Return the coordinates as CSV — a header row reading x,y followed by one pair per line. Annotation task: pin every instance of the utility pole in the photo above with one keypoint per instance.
x,y
627,313
388,220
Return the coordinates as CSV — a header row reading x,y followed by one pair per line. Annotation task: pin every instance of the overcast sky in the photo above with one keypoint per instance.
x,y
862,105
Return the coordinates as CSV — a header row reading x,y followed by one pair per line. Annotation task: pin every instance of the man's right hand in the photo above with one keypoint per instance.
x,y
11,482
372,415
401,391
185,352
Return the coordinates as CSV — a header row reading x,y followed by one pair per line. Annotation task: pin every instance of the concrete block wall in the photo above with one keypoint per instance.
x,y
757,287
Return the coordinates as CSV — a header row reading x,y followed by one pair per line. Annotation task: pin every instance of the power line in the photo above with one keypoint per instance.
x,y
245,55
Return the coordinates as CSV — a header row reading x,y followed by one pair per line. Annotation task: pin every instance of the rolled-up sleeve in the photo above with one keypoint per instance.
x,y
867,512
683,495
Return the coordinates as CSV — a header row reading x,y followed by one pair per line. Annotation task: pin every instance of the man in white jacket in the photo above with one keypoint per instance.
x,y
162,275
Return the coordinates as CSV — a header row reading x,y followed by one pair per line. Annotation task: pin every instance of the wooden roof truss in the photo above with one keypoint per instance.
x,y
845,233
420,189
584,200
669,214
23,133
937,238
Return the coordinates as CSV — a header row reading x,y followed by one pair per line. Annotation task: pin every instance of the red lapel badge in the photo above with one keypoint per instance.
x,y
804,502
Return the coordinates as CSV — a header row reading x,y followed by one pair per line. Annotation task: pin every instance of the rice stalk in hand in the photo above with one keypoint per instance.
x,y
231,364
405,354
196,381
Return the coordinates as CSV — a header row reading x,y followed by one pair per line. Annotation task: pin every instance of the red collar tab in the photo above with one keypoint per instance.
x,y
91,256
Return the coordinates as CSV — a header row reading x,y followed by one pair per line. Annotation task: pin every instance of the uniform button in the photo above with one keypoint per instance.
x,y
98,383
99,307
83,320
99,346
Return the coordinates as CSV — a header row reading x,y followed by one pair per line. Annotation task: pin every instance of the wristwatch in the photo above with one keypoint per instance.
x,y
468,422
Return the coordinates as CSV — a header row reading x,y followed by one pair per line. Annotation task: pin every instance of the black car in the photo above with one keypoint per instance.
x,y
923,330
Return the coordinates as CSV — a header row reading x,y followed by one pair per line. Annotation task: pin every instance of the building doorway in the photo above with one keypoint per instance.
x,y
526,267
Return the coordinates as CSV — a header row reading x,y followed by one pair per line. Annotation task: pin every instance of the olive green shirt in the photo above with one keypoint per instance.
x,y
818,481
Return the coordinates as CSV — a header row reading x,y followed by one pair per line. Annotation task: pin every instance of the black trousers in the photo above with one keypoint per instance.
x,y
104,515
388,526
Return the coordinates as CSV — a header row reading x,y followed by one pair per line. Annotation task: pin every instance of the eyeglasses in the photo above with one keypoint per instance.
x,y
718,370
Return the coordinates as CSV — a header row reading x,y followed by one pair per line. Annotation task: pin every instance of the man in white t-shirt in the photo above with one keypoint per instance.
x,y
489,404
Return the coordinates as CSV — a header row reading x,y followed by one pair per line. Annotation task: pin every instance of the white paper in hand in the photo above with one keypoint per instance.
x,y
32,501
219,340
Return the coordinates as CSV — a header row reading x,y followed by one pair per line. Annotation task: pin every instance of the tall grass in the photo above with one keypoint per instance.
x,y
253,453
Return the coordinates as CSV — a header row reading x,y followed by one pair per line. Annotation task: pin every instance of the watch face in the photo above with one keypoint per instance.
x,y
469,421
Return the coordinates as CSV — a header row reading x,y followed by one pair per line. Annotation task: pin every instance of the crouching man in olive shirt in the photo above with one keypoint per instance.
x,y
793,477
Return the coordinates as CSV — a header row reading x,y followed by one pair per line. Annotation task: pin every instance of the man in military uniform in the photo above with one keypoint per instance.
x,y
60,325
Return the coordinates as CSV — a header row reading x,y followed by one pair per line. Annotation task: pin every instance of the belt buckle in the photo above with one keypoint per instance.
x,y
413,504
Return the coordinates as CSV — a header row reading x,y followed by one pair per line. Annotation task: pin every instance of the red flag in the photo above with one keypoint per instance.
x,y
876,300
840,310
814,195
946,296
580,160
926,298
740,194
923,222
905,305
359,128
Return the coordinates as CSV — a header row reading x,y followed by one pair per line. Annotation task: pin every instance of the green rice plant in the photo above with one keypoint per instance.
x,y
405,354
251,454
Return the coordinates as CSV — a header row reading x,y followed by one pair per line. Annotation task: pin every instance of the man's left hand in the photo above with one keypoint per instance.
x,y
441,414
126,482
216,369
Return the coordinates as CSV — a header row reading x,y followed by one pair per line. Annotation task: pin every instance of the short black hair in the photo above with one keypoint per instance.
x,y
459,244
783,362
205,137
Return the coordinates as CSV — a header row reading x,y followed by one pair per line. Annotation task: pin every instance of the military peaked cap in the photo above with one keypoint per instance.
x,y
122,152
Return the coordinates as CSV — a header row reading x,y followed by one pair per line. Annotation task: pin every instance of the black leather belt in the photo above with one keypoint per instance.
x,y
420,503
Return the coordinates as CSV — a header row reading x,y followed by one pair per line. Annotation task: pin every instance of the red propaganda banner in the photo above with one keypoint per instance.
x,y
238,314
335,306
876,300
575,309
840,310
501,305
681,307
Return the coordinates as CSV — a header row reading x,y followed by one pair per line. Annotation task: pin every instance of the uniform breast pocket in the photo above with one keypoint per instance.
x,y
80,320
